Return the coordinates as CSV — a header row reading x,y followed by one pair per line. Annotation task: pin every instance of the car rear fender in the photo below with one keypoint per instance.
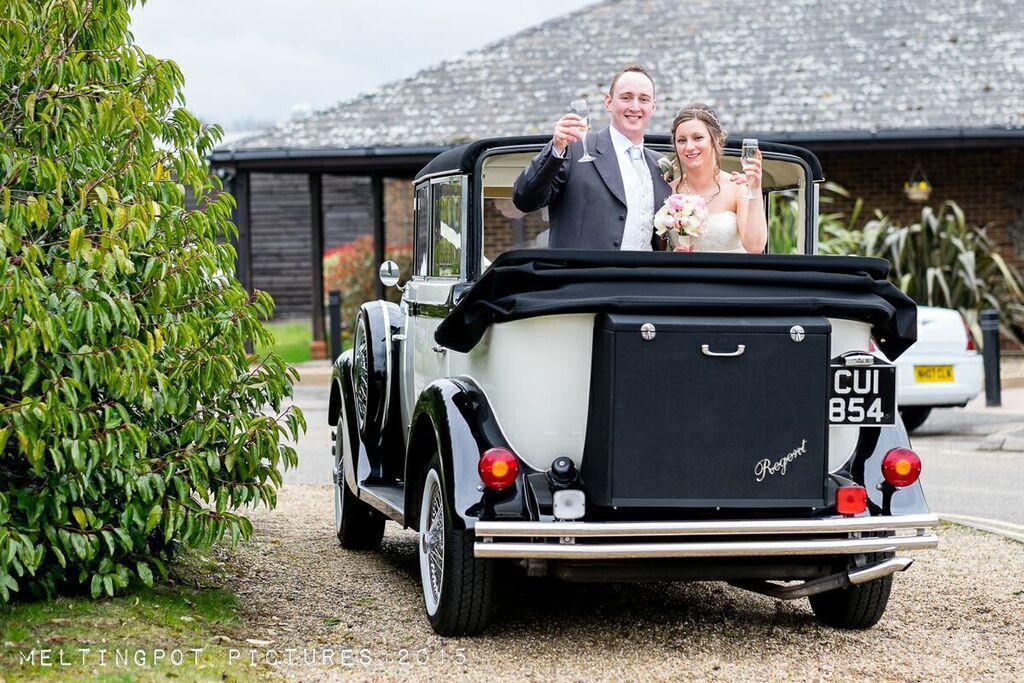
x,y
453,417
865,468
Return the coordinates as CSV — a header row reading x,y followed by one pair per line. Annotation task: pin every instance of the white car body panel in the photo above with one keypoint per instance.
x,y
941,340
541,399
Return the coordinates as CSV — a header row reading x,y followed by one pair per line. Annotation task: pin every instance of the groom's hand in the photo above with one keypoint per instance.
x,y
569,129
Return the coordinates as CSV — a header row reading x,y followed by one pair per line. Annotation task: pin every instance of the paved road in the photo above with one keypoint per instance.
x,y
958,478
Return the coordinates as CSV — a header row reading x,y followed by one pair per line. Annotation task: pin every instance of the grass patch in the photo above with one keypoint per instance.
x,y
291,340
132,628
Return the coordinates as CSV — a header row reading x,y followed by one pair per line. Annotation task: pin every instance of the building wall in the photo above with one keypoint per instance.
x,y
282,243
987,184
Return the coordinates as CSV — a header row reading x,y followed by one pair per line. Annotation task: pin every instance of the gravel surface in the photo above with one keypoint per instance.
x,y
957,614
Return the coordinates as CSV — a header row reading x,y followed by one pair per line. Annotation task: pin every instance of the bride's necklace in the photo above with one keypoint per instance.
x,y
707,199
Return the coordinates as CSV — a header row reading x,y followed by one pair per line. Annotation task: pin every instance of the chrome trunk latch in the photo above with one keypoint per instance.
x,y
647,331
796,333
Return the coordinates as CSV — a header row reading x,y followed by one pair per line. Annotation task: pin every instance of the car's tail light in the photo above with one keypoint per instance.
x,y
498,468
871,345
970,337
901,467
851,500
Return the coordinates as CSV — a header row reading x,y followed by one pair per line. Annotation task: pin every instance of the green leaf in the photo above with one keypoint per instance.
x,y
145,574
80,517
153,519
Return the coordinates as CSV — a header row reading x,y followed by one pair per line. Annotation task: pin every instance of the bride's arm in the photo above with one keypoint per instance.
x,y
750,214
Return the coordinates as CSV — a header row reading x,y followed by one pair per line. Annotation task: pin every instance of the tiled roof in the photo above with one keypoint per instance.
x,y
795,66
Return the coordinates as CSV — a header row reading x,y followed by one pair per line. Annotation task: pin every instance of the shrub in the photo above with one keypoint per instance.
x,y
131,421
351,269
939,260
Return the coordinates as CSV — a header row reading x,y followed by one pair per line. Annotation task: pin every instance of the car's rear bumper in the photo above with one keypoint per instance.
x,y
968,377
732,538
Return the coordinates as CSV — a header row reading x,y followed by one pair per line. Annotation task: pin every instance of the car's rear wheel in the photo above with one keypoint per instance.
x,y
357,525
855,607
457,587
914,416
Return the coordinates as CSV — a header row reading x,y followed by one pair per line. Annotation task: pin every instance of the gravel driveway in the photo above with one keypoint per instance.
x,y
957,614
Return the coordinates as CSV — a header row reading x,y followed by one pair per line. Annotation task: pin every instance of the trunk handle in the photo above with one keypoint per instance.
x,y
706,350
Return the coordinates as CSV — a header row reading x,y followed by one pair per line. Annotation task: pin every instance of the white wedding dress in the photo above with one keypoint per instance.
x,y
722,235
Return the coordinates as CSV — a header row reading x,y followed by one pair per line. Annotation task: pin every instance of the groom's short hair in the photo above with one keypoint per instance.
x,y
634,68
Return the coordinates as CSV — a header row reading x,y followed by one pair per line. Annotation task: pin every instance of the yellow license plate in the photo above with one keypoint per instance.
x,y
933,373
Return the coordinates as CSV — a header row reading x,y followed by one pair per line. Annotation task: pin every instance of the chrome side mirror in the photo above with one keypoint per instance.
x,y
389,273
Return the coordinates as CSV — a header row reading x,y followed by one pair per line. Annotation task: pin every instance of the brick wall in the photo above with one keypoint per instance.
x,y
985,183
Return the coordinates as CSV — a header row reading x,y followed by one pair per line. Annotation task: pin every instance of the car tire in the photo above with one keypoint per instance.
x,y
457,587
855,607
357,525
914,416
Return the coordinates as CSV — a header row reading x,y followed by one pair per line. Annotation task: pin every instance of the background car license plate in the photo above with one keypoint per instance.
x,y
933,373
864,395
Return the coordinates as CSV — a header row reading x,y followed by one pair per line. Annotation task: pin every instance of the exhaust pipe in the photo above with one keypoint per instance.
x,y
827,583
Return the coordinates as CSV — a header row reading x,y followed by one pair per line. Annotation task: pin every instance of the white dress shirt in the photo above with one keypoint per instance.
x,y
636,236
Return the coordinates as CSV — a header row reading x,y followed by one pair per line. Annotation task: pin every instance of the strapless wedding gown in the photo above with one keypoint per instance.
x,y
722,235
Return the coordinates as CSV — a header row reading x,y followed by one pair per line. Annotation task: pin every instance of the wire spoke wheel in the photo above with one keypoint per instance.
x,y
431,546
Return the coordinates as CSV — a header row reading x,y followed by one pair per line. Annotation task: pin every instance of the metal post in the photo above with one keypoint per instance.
x,y
318,347
990,351
379,247
334,316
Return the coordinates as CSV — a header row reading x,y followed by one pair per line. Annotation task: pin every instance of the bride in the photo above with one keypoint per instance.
x,y
735,224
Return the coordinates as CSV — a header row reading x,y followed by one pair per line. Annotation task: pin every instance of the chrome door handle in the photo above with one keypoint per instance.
x,y
439,349
706,350
398,337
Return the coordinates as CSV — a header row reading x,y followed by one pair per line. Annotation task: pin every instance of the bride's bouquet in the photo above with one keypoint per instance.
x,y
681,218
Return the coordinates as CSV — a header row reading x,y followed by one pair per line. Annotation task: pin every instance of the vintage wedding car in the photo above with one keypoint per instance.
x,y
601,415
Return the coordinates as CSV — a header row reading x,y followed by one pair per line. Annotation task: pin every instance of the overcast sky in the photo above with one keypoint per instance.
x,y
248,63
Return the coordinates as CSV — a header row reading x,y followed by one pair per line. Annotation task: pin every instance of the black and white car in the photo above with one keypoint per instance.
x,y
607,415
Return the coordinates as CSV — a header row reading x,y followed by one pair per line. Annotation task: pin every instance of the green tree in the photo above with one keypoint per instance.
x,y
131,419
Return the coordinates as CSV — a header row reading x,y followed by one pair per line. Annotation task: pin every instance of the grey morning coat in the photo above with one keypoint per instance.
x,y
586,202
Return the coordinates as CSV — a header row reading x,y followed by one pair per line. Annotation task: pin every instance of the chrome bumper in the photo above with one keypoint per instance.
x,y
643,540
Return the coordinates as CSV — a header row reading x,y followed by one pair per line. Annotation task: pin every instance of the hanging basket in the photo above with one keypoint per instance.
x,y
917,189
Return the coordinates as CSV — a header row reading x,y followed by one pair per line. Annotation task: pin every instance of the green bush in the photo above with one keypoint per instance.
x,y
131,420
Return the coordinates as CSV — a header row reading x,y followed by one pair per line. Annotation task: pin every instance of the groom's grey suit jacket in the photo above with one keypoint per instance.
x,y
586,202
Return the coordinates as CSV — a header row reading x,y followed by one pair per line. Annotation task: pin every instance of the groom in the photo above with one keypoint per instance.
x,y
608,203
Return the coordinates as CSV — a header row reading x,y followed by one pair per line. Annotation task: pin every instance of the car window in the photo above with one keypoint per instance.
x,y
422,230
446,228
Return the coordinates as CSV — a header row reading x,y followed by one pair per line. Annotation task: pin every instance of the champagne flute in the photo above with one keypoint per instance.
x,y
748,159
580,108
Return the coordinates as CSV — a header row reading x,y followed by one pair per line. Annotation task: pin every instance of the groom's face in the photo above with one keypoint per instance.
x,y
631,104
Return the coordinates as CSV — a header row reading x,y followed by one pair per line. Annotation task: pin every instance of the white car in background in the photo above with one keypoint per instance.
x,y
942,369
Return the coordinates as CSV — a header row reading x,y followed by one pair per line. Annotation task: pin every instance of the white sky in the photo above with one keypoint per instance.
x,y
248,63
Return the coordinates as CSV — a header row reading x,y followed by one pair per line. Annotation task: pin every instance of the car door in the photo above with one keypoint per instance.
x,y
439,264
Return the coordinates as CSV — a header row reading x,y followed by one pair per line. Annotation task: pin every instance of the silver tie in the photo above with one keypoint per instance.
x,y
636,156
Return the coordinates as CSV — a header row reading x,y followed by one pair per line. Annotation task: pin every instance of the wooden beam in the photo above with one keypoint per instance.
x,y
377,190
316,219
238,185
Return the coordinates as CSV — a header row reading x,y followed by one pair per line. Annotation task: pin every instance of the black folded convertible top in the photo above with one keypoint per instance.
x,y
529,283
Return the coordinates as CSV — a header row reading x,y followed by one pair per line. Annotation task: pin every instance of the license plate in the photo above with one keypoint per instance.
x,y
864,395
933,373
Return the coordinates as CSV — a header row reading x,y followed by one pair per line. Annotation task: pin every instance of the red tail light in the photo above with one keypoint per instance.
x,y
871,345
901,467
851,500
970,337
498,468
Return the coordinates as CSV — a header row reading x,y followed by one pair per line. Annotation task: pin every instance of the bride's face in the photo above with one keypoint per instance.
x,y
694,146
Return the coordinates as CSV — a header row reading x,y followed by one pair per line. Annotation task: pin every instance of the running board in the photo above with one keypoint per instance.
x,y
387,499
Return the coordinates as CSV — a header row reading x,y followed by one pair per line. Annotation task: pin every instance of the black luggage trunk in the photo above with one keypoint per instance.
x,y
672,425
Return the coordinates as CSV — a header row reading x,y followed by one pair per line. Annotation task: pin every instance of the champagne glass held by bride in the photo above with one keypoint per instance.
x,y
748,159
582,110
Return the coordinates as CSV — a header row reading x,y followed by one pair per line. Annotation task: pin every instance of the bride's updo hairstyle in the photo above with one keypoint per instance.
x,y
707,115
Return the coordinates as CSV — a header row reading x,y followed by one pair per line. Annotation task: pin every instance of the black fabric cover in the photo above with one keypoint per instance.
x,y
532,282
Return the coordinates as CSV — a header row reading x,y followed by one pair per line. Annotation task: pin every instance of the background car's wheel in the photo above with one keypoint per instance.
x,y
855,607
457,587
357,525
914,416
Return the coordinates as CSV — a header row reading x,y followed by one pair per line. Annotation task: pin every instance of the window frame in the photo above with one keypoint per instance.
x,y
428,184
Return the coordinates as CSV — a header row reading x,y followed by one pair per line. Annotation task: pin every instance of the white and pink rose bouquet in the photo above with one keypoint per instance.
x,y
681,218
